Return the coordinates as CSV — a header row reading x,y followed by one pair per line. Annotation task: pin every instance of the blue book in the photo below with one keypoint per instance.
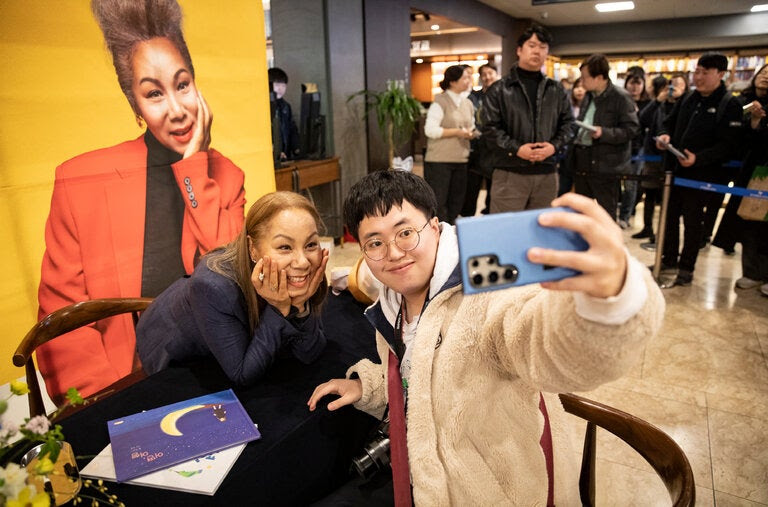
x,y
165,436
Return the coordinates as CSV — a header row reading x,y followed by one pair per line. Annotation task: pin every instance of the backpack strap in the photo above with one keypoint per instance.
x,y
727,96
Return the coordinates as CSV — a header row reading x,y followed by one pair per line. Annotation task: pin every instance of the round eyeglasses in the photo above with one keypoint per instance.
x,y
406,240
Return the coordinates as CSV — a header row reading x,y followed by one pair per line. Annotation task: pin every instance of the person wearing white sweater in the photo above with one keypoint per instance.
x,y
481,373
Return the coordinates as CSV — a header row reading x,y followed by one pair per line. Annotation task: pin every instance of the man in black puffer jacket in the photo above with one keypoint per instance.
x,y
526,119
705,125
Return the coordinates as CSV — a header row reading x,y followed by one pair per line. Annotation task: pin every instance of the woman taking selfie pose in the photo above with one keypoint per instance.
x,y
249,301
129,220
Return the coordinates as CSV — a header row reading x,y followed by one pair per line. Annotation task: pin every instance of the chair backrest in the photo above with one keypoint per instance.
x,y
658,449
62,321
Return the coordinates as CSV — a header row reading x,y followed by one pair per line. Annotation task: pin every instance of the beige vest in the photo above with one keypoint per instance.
x,y
451,149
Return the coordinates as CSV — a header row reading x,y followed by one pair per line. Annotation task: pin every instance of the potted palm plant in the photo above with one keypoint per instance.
x,y
397,113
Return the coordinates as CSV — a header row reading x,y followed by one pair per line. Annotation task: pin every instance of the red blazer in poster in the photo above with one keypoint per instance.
x,y
94,240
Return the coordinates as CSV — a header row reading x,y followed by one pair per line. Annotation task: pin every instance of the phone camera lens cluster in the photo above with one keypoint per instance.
x,y
485,271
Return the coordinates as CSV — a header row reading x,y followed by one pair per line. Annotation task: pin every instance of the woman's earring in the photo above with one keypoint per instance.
x,y
140,121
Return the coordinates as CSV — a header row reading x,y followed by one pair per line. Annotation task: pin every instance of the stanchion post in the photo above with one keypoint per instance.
x,y
662,224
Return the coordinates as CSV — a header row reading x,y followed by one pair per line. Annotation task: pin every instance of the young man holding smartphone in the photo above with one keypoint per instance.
x,y
473,369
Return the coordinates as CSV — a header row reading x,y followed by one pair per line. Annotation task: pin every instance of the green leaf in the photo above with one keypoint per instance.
x,y
185,473
74,396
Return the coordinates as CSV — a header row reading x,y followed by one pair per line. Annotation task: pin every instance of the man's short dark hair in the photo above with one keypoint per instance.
x,y
377,192
277,75
487,66
539,31
713,60
597,65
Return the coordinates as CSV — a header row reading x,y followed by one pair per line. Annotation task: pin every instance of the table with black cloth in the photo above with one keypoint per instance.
x,y
301,456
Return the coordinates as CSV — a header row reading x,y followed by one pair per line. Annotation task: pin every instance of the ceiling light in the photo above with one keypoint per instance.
x,y
419,60
435,27
615,6
759,8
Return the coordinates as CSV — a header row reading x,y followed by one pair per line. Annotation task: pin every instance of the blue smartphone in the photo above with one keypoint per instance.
x,y
493,248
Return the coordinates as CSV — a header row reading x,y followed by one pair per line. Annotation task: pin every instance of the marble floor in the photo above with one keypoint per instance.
x,y
703,380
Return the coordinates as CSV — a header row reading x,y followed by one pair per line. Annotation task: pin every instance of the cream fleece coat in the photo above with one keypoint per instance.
x,y
479,363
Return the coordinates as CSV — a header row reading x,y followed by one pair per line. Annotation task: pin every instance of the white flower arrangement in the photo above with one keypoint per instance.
x,y
17,483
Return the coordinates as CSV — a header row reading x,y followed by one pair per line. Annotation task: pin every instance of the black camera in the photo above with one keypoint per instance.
x,y
375,454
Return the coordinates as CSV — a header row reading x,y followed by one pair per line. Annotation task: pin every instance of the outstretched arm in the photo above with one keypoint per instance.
x,y
603,265
584,330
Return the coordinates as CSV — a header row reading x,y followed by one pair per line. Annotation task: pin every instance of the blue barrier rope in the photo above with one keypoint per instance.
x,y
646,158
721,189
731,164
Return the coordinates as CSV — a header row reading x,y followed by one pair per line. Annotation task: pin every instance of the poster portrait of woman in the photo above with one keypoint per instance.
x,y
130,219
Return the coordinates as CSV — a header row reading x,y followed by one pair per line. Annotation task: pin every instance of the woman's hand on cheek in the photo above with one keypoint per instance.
x,y
314,282
273,286
603,265
201,138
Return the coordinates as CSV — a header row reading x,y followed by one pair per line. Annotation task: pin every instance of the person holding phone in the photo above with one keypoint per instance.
x,y
665,93
705,126
753,234
602,149
449,127
249,302
475,377
129,220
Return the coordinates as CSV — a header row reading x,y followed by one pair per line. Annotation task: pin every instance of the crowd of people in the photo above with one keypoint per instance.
x,y
532,139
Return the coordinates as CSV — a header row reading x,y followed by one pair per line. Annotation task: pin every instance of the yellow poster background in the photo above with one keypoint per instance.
x,y
59,98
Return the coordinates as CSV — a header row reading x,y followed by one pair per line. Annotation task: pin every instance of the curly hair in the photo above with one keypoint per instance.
x,y
125,23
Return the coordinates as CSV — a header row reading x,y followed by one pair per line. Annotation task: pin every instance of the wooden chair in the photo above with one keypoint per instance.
x,y
658,449
62,321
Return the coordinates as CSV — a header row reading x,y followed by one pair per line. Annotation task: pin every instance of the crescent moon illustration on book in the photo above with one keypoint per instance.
x,y
168,423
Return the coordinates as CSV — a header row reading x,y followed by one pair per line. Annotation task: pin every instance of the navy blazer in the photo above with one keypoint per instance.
x,y
206,315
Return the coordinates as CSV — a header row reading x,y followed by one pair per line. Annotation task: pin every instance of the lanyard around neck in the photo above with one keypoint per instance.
x,y
402,315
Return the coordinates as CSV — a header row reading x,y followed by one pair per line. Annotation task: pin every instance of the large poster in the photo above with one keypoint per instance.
x,y
60,98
